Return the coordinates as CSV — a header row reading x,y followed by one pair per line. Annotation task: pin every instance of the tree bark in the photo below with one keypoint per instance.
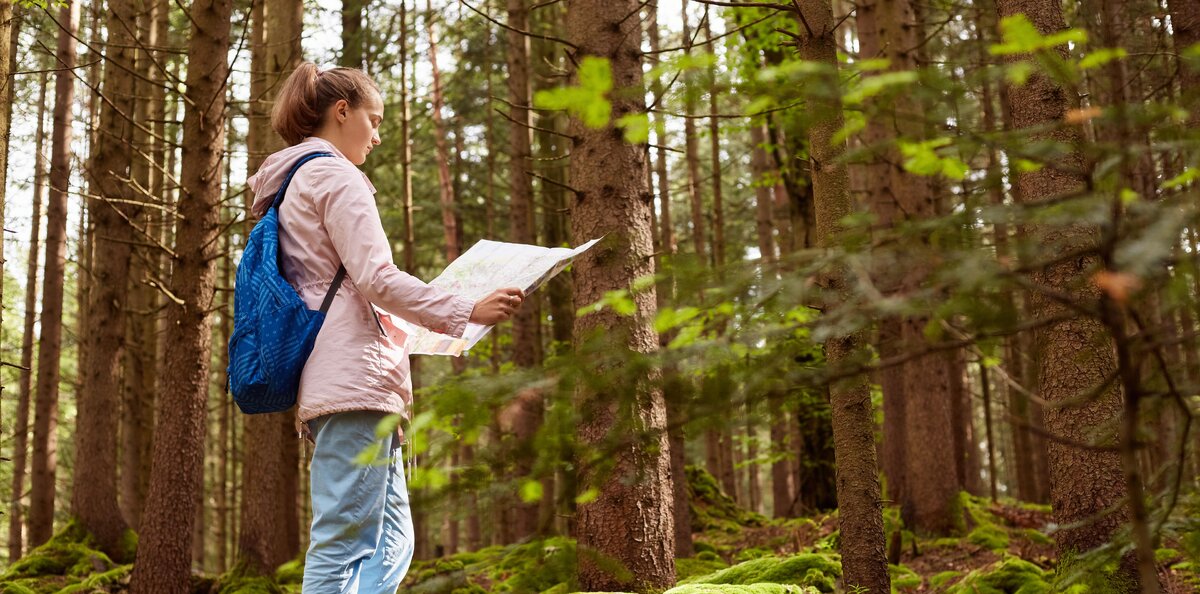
x,y
352,34
526,348
164,553
1074,354
94,494
16,513
888,28
612,198
45,445
860,510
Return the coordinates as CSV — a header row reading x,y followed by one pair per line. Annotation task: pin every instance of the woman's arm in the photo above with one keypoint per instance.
x,y
347,208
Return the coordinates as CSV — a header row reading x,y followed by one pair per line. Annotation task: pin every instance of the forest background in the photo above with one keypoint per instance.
x,y
894,295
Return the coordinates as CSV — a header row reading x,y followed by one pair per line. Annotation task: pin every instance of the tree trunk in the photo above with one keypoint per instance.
x,y
1074,354
612,198
45,445
352,34
888,28
860,511
94,494
164,552
16,513
526,347
445,181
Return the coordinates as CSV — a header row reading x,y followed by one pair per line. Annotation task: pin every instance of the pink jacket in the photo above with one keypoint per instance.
x,y
328,217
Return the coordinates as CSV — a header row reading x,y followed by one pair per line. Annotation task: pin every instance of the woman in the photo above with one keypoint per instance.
x,y
361,534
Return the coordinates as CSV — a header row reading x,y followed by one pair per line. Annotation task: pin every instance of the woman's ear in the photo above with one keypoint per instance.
x,y
342,109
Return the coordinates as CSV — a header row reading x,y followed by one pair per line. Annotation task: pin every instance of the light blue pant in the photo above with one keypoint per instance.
x,y
362,533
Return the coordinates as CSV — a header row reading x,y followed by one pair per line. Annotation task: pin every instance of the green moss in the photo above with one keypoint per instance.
x,y
16,587
67,553
1010,575
1037,536
702,547
702,564
904,578
1165,556
811,569
741,589
943,578
990,536
241,584
713,509
291,572
752,553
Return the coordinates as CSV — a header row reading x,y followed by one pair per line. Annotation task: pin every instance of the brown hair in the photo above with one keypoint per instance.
x,y
307,94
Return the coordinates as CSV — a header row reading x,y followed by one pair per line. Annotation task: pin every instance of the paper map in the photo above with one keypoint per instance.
x,y
486,267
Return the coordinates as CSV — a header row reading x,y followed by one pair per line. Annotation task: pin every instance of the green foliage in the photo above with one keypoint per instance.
x,y
904,578
536,566
1019,36
1010,575
987,530
741,589
589,100
809,569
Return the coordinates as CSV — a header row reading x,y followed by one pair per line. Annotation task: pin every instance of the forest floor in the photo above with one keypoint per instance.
x,y
1003,548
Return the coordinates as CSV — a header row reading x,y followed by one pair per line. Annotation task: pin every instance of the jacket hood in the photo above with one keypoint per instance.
x,y
266,181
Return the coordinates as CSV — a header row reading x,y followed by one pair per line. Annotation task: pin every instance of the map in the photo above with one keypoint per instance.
x,y
486,267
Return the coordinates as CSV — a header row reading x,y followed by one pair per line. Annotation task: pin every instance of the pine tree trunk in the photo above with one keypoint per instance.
x,y
352,35
888,28
94,494
860,511
445,181
612,198
45,445
137,412
1074,354
526,323
16,513
164,552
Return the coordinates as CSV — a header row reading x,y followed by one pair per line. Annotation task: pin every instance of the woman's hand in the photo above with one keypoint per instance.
x,y
498,306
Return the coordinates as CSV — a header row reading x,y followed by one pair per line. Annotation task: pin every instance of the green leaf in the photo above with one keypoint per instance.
x,y
1101,57
1018,72
387,426
368,456
588,101
1027,166
1128,196
1019,36
669,318
922,159
635,127
531,491
1188,176
587,496
642,283
853,123
870,86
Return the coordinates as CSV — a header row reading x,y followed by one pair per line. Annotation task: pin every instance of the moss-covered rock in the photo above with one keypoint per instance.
x,y
1010,575
904,578
713,509
741,589
702,564
820,571
537,566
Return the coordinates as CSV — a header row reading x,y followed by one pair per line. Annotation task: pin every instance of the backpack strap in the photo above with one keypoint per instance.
x,y
341,273
288,180
333,289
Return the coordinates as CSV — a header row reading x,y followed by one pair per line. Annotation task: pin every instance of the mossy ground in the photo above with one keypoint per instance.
x,y
1002,548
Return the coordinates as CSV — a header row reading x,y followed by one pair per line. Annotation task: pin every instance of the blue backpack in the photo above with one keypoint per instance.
x,y
273,329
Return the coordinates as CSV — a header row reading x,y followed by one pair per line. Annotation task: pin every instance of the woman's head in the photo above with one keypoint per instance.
x,y
341,105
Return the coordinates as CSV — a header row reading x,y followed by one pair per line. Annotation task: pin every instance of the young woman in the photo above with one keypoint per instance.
x,y
361,534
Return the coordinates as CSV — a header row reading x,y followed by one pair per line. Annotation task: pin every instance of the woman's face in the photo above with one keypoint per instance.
x,y
358,129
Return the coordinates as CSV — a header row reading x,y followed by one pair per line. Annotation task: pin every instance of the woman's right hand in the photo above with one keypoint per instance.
x,y
498,306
